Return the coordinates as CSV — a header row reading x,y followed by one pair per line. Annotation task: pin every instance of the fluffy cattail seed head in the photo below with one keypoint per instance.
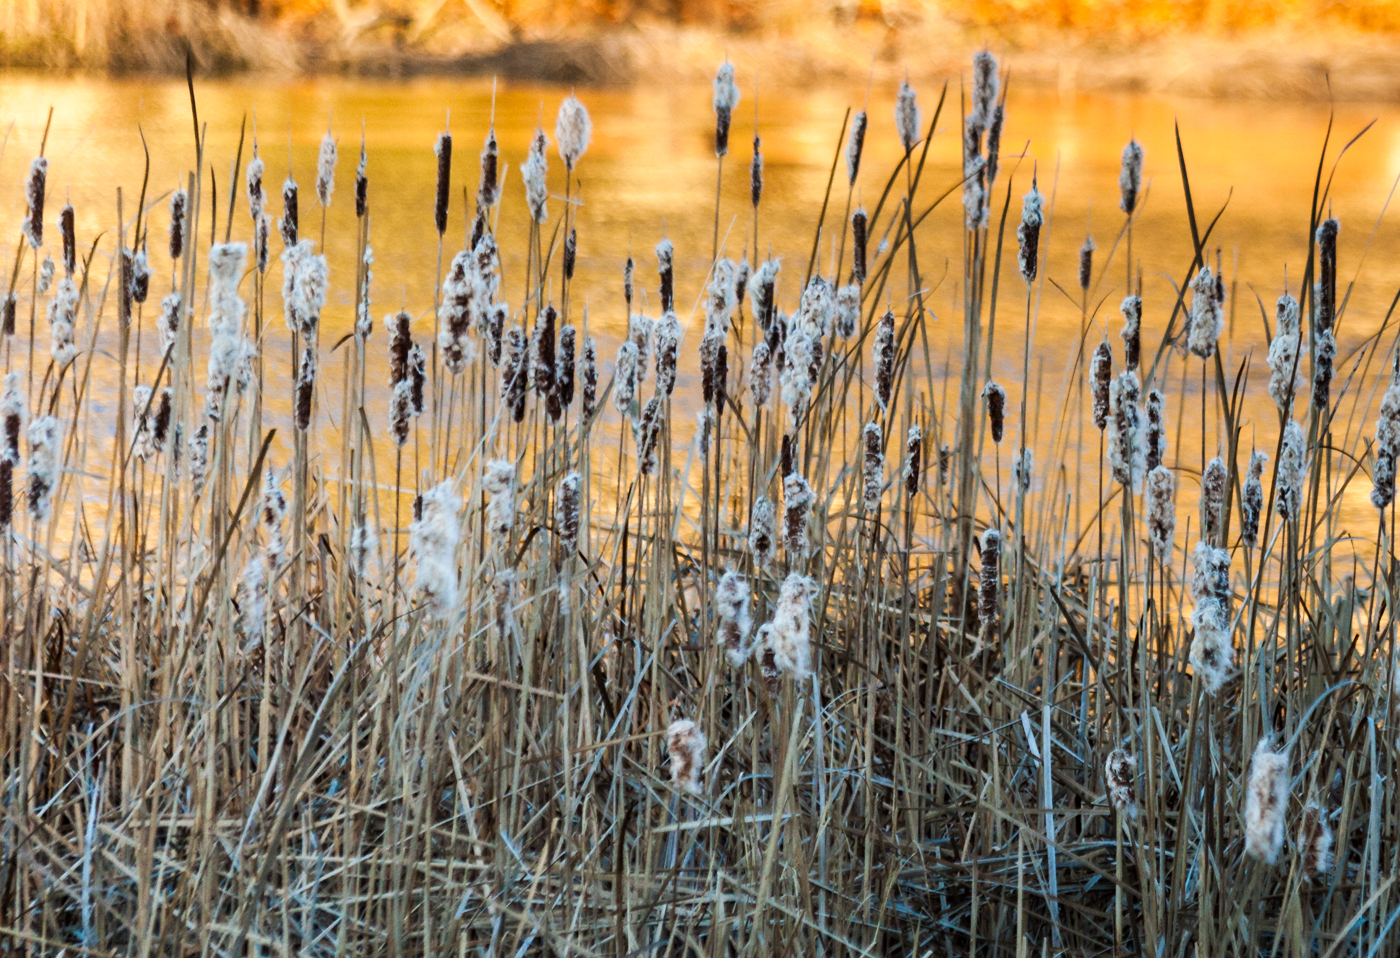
x,y
1292,469
882,352
566,513
533,172
543,358
564,366
1283,352
1021,468
498,482
287,224
1120,774
854,146
625,378
685,743
573,131
1131,308
1213,481
1161,511
989,581
1130,177
1266,802
906,116
648,433
1206,320
668,341
515,372
433,538
797,509
589,375
1314,843
1100,377
762,542
665,253
986,87
847,310
13,408
417,379
488,191
33,225
993,157
1155,437
995,398
325,170
874,466
1252,499
790,635
1028,233
725,100
1212,653
257,196
732,608
1126,454
45,435
913,458
1324,357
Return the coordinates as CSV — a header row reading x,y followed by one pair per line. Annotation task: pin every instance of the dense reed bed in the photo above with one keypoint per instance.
x,y
537,654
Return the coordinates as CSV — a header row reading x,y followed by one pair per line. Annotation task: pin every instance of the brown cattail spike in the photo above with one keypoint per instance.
x,y
859,227
756,173
995,398
443,151
70,239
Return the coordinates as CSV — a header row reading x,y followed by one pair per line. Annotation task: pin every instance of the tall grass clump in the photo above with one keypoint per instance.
x,y
497,653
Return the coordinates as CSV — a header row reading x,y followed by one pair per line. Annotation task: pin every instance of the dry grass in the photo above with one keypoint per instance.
x,y
481,768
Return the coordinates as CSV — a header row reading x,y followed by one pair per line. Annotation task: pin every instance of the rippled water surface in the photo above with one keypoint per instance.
x,y
651,172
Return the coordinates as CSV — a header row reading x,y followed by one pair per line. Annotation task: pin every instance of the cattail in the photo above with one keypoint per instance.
x,y
1205,320
306,387
361,540
262,239
169,324
564,366
945,461
685,743
496,318
503,598
543,354
639,331
498,482
515,372
287,224
1086,264
995,398
364,319
741,282
1252,499
1283,351
68,231
756,172
790,636
417,379
1387,442
817,312
667,333
625,378
913,457
1028,233
785,457
401,411
1155,436
1266,801
160,420
762,543
124,286
800,354
1131,308
732,608
570,253
761,292
847,311
1100,378
179,203
859,226
257,196
994,145
304,277
533,171
797,509
140,285
1120,772
986,86
7,494
1326,312
1213,481
488,191
362,182
12,414
906,117
874,466
665,253
433,539
854,146
454,314
882,352
589,375
1326,353
400,340
1126,454
1292,469
573,131
1314,843
1161,511
142,423
989,582
648,431
45,434
629,271
33,226
761,374
62,312
974,196
7,314
325,170
1130,177
45,275
252,601
725,100
1021,468
566,515
1212,653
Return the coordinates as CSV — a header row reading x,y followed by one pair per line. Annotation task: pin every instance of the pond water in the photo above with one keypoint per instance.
x,y
651,172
